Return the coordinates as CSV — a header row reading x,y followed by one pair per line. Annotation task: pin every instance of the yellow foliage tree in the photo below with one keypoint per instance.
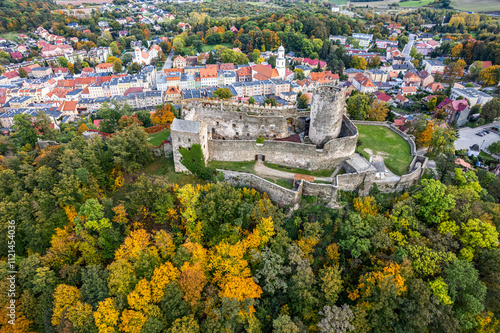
x,y
165,244
106,316
378,111
490,75
163,115
241,288
424,138
457,50
162,275
64,296
132,321
140,298
374,281
133,245
365,206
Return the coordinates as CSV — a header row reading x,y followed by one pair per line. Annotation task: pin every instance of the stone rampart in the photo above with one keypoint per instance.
x,y
325,192
278,194
221,106
299,155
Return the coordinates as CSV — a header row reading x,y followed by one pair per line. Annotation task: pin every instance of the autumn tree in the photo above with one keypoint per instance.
x,y
163,115
130,148
378,111
358,62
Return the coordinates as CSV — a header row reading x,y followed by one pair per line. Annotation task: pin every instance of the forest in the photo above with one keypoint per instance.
x,y
103,246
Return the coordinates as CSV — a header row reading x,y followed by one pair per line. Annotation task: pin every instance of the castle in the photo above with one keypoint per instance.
x,y
228,132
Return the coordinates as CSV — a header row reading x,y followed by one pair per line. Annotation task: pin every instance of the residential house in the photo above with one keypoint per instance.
x,y
39,72
173,95
104,68
341,39
179,62
407,91
425,78
244,74
363,84
383,97
364,40
434,87
262,72
434,66
411,79
384,44
208,77
454,111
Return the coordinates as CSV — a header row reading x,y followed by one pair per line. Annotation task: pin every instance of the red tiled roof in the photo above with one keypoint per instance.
x,y
133,90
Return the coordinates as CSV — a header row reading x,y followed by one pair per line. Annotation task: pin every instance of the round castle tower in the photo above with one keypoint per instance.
x,y
327,110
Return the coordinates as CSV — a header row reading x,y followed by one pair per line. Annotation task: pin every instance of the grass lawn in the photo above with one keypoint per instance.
x,y
9,35
284,183
236,166
163,166
339,2
417,3
317,173
207,48
157,138
382,141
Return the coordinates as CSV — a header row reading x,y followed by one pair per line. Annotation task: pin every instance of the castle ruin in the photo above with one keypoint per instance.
x,y
229,132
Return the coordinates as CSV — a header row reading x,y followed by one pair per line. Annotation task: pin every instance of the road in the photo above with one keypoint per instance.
x,y
407,49
468,137
168,62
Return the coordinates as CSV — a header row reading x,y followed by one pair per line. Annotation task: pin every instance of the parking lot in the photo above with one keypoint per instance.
x,y
468,137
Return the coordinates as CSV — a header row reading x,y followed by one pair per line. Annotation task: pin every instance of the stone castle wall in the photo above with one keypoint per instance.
x,y
239,125
280,195
284,110
299,155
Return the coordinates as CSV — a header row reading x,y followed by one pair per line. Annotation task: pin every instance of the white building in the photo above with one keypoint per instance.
x,y
474,96
280,62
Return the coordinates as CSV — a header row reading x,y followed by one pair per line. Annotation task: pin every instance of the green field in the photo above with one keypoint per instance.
x,y
207,48
476,5
236,166
420,3
164,167
157,138
9,35
382,141
317,173
339,2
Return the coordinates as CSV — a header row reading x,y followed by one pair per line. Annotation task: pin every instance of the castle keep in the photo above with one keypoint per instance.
x,y
228,132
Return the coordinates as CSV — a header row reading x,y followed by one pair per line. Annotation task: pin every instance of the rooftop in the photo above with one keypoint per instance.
x,y
189,126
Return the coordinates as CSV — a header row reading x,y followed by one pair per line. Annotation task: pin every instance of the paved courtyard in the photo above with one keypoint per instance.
x,y
468,137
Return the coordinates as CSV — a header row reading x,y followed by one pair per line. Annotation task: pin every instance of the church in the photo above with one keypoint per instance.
x,y
144,57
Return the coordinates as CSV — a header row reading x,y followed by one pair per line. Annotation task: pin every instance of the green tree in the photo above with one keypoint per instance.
x,y
187,324
298,74
130,148
356,233
25,131
433,202
272,61
94,285
302,101
63,62
494,148
222,93
432,104
271,101
117,66
251,100
466,291
491,110
358,106
22,73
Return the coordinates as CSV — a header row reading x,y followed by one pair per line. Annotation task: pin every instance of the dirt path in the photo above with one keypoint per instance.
x,y
263,171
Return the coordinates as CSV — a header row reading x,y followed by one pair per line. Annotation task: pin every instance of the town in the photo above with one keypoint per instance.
x,y
249,166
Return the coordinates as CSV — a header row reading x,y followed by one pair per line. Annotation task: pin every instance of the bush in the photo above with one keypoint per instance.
x,y
260,139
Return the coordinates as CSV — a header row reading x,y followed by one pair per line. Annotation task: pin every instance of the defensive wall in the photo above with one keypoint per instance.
x,y
280,195
222,106
299,155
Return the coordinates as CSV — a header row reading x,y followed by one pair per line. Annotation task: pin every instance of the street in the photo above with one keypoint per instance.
x,y
168,62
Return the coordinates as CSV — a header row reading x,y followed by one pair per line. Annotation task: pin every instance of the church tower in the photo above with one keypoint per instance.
x,y
280,62
137,55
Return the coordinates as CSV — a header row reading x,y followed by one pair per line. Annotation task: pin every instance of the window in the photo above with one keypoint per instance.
x,y
271,127
234,125
189,140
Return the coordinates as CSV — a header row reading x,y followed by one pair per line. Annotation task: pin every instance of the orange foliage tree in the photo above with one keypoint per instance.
x,y
163,115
